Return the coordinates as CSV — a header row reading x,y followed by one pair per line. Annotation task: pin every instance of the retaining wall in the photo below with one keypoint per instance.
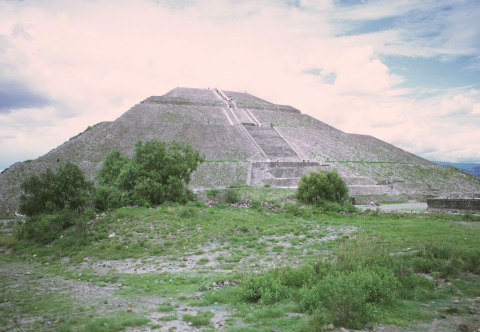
x,y
450,205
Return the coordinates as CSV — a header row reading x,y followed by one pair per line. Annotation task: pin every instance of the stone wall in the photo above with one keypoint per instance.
x,y
451,205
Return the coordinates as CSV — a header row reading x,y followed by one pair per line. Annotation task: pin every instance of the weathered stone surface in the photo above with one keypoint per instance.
x,y
449,205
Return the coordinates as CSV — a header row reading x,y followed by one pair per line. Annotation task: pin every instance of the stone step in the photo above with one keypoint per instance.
x,y
288,172
241,116
283,182
274,146
359,180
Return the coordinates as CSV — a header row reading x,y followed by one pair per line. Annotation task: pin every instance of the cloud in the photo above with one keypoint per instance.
x,y
16,95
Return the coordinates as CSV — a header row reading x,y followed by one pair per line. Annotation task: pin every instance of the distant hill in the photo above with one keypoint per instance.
x,y
474,171
470,168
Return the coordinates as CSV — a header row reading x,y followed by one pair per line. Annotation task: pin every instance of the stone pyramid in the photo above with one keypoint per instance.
x,y
248,141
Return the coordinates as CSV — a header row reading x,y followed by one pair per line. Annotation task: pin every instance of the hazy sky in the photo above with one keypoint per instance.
x,y
407,72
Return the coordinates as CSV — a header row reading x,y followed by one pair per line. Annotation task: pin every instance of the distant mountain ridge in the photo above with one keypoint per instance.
x,y
471,168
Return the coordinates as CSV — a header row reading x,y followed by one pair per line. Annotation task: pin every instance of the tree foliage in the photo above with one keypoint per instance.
x,y
51,192
157,172
318,187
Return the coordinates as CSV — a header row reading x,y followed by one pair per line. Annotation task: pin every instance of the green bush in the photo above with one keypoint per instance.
x,y
44,228
51,192
108,197
212,193
318,187
263,287
231,196
158,172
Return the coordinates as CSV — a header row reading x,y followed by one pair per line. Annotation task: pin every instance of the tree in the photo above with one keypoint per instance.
x,y
51,192
157,172
318,187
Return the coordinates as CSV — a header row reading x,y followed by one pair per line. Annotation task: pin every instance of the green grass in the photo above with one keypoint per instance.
x,y
244,242
200,319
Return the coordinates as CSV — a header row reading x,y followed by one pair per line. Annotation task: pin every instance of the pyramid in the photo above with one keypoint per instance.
x,y
248,141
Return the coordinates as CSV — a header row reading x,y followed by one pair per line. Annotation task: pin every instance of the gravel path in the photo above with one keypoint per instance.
x,y
419,207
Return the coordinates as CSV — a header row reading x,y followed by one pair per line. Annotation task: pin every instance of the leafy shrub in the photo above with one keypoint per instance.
x,y
263,287
212,193
51,192
231,196
157,173
44,229
318,187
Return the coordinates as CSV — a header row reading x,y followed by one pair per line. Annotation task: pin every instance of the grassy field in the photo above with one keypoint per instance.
x,y
270,267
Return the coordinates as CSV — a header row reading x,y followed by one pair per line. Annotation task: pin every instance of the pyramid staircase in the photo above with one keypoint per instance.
x,y
272,144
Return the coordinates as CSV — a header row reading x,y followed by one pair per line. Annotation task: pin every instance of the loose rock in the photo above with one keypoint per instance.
x,y
463,327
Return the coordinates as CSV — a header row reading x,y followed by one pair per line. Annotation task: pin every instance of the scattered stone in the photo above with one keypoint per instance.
x,y
190,324
185,258
471,310
28,273
456,302
147,289
463,327
275,330
331,327
220,323
214,284
443,316
36,308
252,308
452,310
129,309
106,302
196,297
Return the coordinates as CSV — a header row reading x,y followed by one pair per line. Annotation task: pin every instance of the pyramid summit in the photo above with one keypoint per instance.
x,y
248,141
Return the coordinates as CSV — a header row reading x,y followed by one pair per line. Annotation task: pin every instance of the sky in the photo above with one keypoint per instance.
x,y
404,71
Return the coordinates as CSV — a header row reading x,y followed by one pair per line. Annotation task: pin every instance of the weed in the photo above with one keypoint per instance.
x,y
201,319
